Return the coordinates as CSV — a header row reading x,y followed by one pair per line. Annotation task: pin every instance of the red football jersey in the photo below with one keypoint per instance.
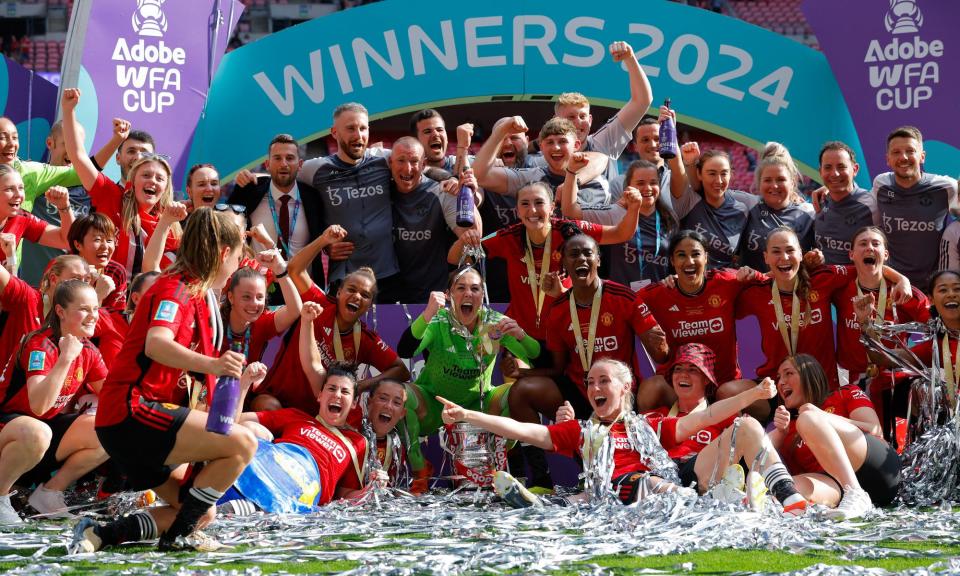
x,y
107,196
686,449
566,441
622,318
924,350
287,382
850,352
333,457
25,225
707,318
510,244
111,341
816,321
261,331
37,359
795,453
168,304
22,313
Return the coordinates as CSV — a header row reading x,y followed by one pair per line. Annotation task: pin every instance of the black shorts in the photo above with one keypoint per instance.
x,y
59,425
879,475
688,474
141,443
685,469
7,418
572,394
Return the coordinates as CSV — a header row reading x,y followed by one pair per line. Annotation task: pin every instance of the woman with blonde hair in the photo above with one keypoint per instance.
x,y
776,181
134,209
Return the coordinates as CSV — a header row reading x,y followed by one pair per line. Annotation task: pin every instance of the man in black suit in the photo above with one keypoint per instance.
x,y
290,212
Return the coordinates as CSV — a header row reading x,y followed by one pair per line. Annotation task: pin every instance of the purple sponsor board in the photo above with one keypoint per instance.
x,y
151,62
896,62
30,102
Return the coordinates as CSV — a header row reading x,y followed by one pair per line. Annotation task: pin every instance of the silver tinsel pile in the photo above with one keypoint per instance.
x,y
466,533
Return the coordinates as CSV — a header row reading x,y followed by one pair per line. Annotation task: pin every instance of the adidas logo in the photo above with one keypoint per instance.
x,y
674,308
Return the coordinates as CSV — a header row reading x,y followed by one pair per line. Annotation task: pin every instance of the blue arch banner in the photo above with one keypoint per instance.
x,y
721,74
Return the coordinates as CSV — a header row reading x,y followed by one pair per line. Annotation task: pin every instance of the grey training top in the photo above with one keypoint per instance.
x,y
720,226
837,222
357,197
423,223
913,220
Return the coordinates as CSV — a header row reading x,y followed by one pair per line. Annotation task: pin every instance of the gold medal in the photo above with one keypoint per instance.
x,y
585,347
536,282
338,344
789,341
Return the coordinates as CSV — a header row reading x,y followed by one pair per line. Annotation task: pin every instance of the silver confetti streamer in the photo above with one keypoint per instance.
x,y
444,534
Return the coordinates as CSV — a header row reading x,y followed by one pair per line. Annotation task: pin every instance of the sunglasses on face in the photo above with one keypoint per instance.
x,y
236,208
154,156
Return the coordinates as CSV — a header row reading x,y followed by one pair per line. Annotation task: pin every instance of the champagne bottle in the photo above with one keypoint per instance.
x,y
465,205
668,136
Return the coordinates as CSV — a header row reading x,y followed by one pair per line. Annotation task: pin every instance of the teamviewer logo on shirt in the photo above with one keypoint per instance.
x,y
149,19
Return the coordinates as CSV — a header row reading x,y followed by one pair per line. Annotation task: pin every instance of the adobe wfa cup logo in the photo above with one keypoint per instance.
x,y
904,17
149,19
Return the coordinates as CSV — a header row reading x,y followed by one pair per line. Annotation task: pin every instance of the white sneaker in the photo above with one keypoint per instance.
x,y
732,488
8,516
855,504
49,503
513,492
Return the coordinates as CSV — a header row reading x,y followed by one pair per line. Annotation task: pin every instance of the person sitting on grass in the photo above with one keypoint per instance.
x,y
832,442
304,461
608,391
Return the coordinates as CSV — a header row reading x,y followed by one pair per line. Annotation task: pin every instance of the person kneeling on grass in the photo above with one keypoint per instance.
x,y
608,391
303,461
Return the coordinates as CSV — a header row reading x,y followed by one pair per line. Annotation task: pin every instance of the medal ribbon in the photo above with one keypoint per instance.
x,y
338,345
586,355
638,240
882,304
789,341
536,282
353,452
951,369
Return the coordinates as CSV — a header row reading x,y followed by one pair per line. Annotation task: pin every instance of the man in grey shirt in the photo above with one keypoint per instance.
x,y
842,206
425,222
354,189
912,206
